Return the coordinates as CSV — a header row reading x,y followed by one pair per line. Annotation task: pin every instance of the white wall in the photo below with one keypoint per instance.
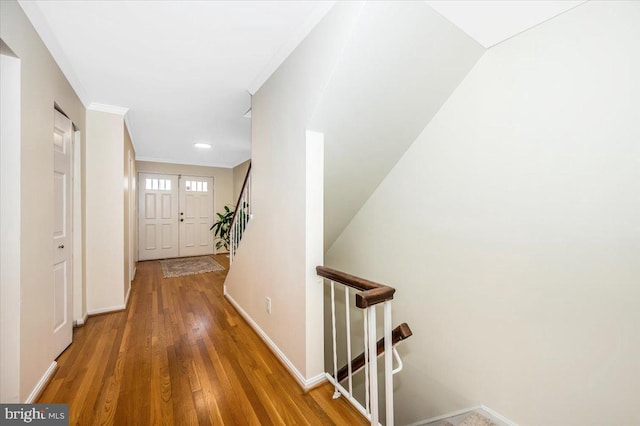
x,y
9,225
510,229
222,178
42,86
272,257
239,173
105,250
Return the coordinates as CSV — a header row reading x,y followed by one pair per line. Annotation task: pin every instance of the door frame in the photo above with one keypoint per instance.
x,y
179,175
131,219
79,312
70,270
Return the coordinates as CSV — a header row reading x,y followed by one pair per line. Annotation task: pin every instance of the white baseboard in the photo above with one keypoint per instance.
x,y
83,321
305,384
126,298
315,381
42,383
498,416
107,310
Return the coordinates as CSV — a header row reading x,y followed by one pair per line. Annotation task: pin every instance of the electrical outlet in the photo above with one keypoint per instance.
x,y
269,305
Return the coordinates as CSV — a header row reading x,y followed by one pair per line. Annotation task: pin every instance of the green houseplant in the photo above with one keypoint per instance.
x,y
222,228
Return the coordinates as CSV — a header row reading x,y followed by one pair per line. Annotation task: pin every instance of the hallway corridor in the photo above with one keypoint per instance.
x,y
181,355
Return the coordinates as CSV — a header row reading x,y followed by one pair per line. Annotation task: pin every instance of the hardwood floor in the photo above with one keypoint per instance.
x,y
181,355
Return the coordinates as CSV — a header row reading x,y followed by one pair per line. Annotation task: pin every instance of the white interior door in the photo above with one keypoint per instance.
x,y
62,250
158,220
196,215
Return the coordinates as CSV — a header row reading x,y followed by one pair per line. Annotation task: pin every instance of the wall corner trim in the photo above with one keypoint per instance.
x,y
83,320
305,384
126,298
107,310
42,383
127,122
111,109
498,416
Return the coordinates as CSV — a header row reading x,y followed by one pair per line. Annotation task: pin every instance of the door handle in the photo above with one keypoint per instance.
x,y
61,246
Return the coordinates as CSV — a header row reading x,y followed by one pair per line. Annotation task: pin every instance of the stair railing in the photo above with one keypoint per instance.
x,y
242,214
368,296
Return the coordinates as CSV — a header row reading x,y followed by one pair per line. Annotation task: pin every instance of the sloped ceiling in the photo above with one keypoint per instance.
x,y
490,22
402,62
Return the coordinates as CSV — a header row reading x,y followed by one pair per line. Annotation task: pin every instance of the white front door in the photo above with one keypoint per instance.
x,y
158,224
196,215
62,270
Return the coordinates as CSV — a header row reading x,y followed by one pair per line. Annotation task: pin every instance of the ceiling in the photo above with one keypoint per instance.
x,y
184,70
491,22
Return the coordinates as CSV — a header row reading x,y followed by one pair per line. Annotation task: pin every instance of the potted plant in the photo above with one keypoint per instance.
x,y
222,229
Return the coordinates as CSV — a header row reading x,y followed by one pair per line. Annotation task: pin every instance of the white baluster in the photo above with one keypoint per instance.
x,y
231,245
366,361
373,364
336,393
346,304
388,364
244,211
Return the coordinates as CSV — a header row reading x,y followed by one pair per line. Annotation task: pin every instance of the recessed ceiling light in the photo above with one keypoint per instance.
x,y
202,145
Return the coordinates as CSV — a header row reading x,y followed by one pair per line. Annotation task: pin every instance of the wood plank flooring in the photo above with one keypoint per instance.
x,y
181,355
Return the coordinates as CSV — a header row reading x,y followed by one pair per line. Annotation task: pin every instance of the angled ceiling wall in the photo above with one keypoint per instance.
x,y
400,64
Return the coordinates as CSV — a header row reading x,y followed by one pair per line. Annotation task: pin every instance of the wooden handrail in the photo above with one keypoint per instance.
x,y
400,333
244,184
371,293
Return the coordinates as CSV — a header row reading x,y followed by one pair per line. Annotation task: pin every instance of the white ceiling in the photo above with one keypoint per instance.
x,y
490,22
185,69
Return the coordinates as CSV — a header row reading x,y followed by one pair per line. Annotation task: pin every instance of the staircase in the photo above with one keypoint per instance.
x,y
242,214
368,297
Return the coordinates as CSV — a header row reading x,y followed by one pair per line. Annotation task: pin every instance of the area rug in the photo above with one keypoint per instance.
x,y
189,266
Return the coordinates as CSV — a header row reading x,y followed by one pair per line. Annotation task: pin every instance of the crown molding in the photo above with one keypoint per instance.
x,y
111,109
34,14
127,122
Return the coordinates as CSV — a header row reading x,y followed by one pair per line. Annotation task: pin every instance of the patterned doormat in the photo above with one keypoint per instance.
x,y
189,266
